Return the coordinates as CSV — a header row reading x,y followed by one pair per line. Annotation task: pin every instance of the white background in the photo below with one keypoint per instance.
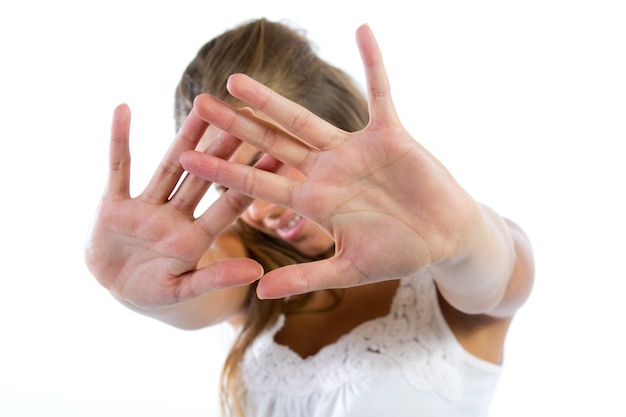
x,y
525,102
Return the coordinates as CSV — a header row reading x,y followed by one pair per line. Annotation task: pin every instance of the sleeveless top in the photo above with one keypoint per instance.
x,y
407,363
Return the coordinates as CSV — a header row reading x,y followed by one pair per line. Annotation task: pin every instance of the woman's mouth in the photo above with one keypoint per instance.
x,y
292,229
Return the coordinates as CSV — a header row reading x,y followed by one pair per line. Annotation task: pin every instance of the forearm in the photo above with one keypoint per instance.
x,y
475,277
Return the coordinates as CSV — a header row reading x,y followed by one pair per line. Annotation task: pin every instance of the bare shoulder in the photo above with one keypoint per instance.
x,y
483,335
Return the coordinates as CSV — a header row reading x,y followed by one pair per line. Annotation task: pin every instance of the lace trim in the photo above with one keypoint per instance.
x,y
410,340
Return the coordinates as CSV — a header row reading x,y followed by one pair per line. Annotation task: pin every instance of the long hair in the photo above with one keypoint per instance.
x,y
283,59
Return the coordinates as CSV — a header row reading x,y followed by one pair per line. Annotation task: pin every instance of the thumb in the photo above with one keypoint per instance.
x,y
226,273
307,277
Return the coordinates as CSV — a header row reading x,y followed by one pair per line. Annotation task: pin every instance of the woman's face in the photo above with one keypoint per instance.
x,y
279,222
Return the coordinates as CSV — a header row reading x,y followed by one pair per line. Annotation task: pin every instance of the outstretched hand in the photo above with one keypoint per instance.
x,y
145,249
390,206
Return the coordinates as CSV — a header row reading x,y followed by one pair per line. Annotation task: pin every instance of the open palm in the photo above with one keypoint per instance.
x,y
390,206
145,249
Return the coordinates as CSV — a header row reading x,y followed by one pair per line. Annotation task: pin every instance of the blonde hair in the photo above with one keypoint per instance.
x,y
283,59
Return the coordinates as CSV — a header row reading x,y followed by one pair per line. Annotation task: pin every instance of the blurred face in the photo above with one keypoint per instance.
x,y
279,222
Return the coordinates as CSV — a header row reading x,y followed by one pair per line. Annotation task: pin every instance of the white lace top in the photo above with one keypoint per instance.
x,y
407,363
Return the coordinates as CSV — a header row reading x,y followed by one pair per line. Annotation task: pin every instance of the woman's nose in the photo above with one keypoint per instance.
x,y
260,210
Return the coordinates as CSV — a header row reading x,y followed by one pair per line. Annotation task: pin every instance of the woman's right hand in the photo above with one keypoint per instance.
x,y
145,249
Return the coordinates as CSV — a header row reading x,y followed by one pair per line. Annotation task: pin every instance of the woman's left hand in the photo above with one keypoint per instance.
x,y
390,206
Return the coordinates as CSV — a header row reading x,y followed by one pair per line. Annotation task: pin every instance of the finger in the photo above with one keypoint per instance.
x,y
193,188
382,111
170,170
251,181
119,155
259,133
294,118
307,277
220,275
231,204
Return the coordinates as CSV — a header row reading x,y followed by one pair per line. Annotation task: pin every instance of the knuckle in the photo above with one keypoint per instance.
x,y
171,168
236,202
300,121
268,139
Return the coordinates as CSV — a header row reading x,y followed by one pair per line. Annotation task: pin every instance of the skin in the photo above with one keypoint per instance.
x,y
156,258
274,220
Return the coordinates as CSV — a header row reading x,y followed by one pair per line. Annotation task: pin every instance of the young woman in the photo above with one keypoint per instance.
x,y
362,279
